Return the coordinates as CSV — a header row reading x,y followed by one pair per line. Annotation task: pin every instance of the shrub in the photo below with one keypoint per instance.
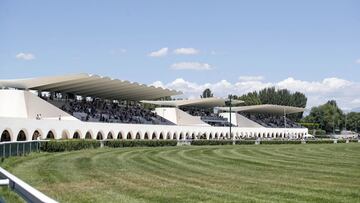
x,y
280,142
212,142
244,142
139,143
68,145
319,141
320,132
341,141
353,141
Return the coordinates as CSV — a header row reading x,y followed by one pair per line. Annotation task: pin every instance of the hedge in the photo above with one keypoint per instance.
x,y
212,142
139,143
353,141
68,145
319,141
341,141
280,142
245,142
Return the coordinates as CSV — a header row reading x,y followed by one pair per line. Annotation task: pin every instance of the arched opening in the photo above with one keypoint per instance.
x,y
211,136
76,135
137,136
174,136
216,135
64,135
161,137
221,136
168,137
110,136
99,136
193,136
153,136
128,137
50,135
36,135
181,136
146,136
88,135
21,136
120,136
5,136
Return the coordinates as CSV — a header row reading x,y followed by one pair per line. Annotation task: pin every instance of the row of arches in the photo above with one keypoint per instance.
x,y
23,135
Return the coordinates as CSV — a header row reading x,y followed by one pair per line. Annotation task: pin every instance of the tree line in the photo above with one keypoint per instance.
x,y
328,117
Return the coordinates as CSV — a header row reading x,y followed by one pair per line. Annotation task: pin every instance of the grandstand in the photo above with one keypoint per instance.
x,y
85,106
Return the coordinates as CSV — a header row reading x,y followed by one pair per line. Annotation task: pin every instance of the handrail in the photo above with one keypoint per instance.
x,y
28,193
26,141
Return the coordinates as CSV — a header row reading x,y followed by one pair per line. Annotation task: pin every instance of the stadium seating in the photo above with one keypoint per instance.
x,y
110,112
271,121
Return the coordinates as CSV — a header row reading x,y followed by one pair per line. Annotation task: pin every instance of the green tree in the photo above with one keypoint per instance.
x,y
353,121
207,93
329,116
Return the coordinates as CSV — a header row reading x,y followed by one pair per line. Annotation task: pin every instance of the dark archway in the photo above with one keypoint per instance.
x,y
128,137
137,136
99,136
153,136
88,135
21,136
36,135
76,135
161,137
120,136
110,136
146,136
5,136
50,135
181,136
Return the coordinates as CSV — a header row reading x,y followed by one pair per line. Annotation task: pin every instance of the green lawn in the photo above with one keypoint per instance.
x,y
255,173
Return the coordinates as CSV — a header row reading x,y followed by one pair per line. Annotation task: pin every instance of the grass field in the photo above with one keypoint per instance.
x,y
262,173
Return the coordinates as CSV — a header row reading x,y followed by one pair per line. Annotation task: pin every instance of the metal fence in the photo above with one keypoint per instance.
x,y
24,190
19,148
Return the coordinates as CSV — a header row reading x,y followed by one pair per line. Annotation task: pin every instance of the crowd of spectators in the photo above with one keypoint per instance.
x,y
272,121
208,116
105,111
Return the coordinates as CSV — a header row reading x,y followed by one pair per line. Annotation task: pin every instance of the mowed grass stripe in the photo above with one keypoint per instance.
x,y
265,173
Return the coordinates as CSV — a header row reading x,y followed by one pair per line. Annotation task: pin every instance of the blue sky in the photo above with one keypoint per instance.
x,y
271,41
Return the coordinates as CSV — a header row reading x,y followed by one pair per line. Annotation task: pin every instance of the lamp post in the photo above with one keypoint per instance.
x,y
230,113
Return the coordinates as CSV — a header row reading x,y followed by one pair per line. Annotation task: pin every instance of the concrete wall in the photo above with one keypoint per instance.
x,y
65,130
240,121
179,117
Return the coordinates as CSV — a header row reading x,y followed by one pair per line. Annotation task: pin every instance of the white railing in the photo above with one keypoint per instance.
x,y
28,193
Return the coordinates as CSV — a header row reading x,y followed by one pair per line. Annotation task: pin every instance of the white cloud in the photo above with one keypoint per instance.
x,y
191,66
346,93
357,61
251,78
25,56
186,51
159,53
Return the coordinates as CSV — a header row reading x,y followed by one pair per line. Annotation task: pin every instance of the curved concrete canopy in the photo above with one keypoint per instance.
x,y
265,108
91,85
202,102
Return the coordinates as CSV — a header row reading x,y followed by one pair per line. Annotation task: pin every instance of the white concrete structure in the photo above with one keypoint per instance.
x,y
20,120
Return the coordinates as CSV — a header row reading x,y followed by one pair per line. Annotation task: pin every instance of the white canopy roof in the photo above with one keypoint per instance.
x,y
202,102
265,108
91,85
